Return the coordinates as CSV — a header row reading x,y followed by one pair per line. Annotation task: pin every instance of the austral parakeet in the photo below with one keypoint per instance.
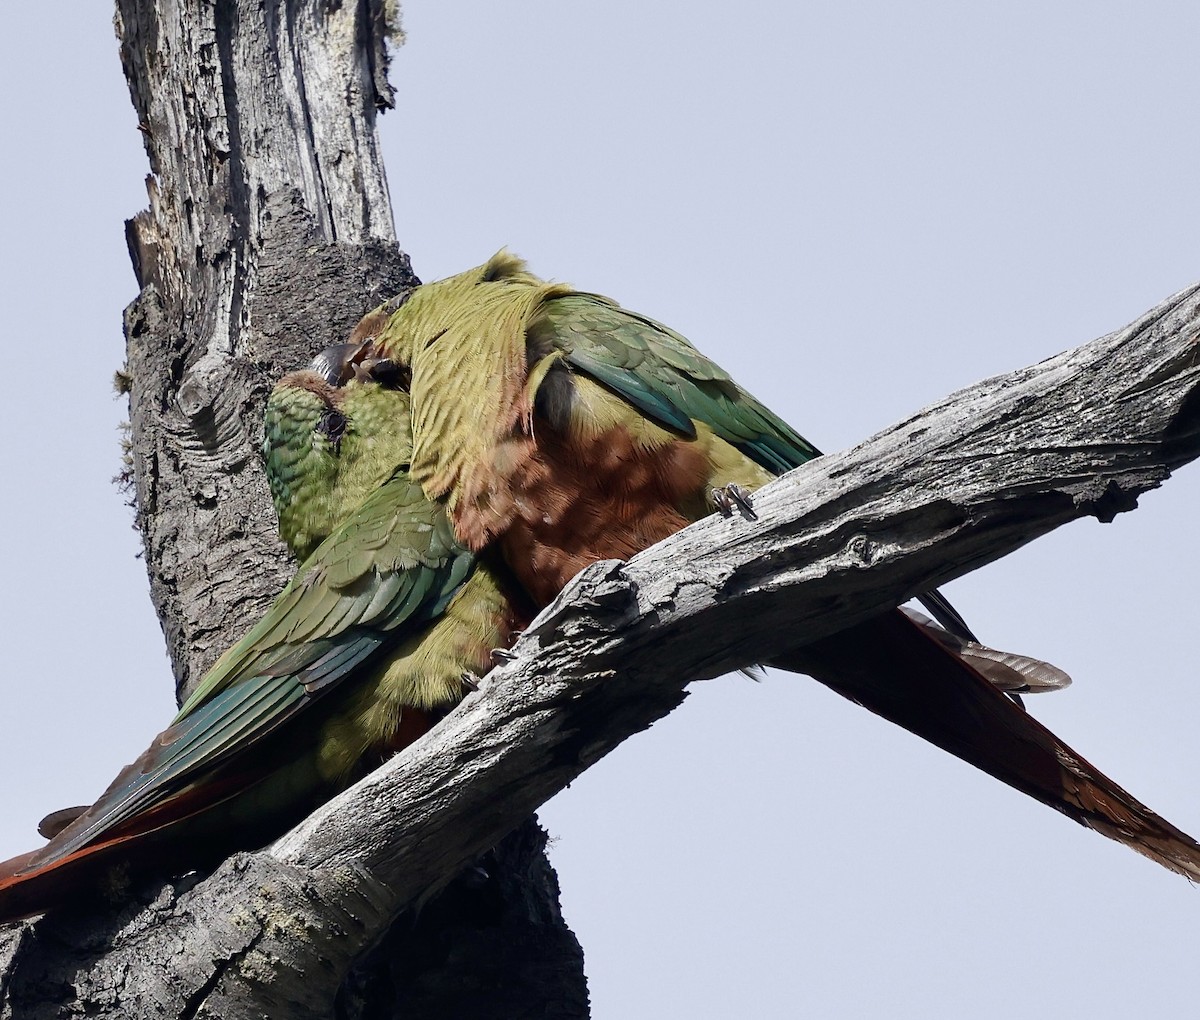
x,y
366,646
560,428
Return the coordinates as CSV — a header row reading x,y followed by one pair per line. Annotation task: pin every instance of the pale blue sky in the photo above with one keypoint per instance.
x,y
855,208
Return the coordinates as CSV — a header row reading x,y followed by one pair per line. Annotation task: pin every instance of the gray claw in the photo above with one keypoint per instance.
x,y
503,655
731,496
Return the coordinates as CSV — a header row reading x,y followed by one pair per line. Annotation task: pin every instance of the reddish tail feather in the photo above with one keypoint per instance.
x,y
889,665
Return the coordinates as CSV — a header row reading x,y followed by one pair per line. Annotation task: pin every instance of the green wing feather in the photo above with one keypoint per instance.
x,y
390,568
665,377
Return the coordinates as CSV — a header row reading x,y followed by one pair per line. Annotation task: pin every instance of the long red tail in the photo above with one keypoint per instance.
x,y
888,665
183,833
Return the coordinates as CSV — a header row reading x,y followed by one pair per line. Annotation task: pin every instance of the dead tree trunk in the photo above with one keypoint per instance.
x,y
307,928
269,233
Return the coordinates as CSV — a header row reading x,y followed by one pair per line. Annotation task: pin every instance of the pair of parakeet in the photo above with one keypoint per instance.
x,y
441,477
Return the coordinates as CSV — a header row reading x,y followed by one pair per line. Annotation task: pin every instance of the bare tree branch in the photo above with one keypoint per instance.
x,y
847,536
958,485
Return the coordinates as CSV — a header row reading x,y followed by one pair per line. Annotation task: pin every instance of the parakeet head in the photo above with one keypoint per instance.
x,y
401,329
327,447
462,338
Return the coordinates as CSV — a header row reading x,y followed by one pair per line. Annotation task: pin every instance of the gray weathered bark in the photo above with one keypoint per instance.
x,y
269,233
958,485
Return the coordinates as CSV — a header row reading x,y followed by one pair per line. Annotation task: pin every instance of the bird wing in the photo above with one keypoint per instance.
x,y
668,380
391,567
665,377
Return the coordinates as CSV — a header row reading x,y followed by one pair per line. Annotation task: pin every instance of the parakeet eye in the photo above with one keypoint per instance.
x,y
332,425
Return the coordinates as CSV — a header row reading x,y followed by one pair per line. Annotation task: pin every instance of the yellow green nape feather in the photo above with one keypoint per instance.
x,y
537,375
415,321
379,438
504,265
464,339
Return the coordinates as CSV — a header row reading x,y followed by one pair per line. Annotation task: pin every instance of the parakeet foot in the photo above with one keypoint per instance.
x,y
731,496
503,655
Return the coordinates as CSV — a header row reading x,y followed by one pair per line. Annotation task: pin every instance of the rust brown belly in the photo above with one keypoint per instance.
x,y
575,503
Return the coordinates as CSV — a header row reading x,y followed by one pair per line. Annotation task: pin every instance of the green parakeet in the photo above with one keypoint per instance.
x,y
366,646
560,428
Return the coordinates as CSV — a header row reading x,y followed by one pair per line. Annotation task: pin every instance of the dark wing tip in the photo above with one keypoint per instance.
x,y
56,821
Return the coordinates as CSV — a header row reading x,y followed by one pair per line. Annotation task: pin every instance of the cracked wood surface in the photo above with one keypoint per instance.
x,y
268,234
957,485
